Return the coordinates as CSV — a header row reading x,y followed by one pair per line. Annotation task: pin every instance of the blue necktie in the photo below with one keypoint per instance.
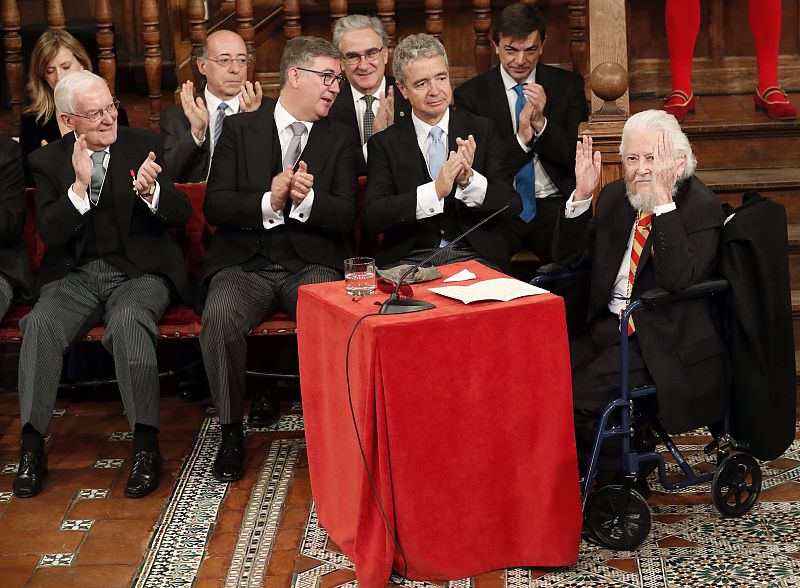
x,y
218,123
525,179
437,153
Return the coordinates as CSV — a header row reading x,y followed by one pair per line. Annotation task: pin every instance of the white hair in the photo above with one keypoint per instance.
x,y
658,119
72,84
356,22
411,49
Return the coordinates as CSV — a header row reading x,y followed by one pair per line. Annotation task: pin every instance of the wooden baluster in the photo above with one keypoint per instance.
x,y
152,59
385,9
54,13
577,36
338,10
433,20
291,19
481,22
226,7
197,34
12,44
105,43
244,18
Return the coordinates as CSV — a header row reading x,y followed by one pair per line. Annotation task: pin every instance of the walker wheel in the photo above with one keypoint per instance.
x,y
618,518
736,485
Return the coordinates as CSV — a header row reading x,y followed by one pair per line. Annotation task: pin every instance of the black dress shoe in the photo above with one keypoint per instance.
x,y
229,463
193,390
32,468
263,409
145,474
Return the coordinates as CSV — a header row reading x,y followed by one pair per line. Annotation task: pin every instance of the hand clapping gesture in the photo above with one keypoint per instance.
x,y
467,151
385,116
195,111
82,164
250,97
301,184
146,177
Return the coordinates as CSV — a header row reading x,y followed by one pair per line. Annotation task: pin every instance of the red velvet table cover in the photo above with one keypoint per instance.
x,y
465,418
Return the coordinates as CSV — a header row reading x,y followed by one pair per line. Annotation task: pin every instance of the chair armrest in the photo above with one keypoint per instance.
x,y
552,272
701,290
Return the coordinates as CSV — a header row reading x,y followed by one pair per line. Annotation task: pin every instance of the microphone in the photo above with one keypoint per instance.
x,y
396,305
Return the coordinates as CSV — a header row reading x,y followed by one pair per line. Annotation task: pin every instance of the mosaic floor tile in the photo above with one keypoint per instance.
x,y
59,412
77,525
50,560
9,468
288,422
6,497
121,436
91,494
108,464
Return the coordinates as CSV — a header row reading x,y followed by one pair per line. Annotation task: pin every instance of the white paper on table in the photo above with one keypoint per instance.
x,y
461,276
503,289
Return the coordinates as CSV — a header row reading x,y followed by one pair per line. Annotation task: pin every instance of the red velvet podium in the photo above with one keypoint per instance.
x,y
465,419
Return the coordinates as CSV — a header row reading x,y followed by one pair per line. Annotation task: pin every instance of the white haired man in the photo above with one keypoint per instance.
x,y
657,227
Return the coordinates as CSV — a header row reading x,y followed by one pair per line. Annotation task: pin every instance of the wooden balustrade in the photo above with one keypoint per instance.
x,y
244,20
12,45
197,35
338,9
152,60
481,23
106,63
434,23
291,19
385,12
54,12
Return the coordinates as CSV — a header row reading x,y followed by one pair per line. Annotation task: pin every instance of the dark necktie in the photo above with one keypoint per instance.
x,y
369,117
98,173
293,152
525,178
221,113
437,153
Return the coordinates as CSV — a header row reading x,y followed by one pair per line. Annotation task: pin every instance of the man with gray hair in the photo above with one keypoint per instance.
x,y
191,128
104,208
436,173
370,101
282,193
657,227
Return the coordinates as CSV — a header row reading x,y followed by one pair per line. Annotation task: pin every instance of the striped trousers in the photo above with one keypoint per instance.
x,y
452,255
6,295
237,302
94,292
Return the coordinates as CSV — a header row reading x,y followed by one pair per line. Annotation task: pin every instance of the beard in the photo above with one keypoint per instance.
x,y
643,201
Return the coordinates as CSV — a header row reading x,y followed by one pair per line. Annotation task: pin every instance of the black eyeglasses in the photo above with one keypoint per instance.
x,y
225,61
327,77
96,115
354,58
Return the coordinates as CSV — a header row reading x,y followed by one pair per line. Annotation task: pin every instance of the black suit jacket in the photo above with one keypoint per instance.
x,y
246,159
146,237
680,343
565,109
397,167
14,263
344,111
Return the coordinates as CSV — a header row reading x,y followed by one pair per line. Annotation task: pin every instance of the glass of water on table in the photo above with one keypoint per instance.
x,y
359,276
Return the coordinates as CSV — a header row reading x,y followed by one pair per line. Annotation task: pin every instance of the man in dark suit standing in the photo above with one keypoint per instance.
x,y
370,101
543,154
437,172
191,128
15,269
109,257
658,227
282,194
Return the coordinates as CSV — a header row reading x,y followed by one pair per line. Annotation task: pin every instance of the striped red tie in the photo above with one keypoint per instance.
x,y
639,238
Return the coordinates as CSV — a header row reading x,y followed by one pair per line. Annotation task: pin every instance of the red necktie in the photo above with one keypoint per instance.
x,y
640,235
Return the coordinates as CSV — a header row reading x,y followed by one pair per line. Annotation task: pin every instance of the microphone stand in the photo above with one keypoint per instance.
x,y
396,305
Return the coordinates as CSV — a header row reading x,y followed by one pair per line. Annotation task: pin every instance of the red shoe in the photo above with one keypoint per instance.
x,y
679,104
776,103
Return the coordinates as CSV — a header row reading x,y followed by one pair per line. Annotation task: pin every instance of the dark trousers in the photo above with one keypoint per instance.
x,y
238,301
94,292
537,235
595,361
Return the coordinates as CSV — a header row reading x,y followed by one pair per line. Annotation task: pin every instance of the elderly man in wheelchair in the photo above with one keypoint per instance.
x,y
657,228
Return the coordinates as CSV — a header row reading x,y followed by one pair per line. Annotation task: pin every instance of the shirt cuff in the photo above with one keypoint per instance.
x,y
540,133
153,206
662,208
573,208
428,203
80,204
198,142
525,148
474,194
364,149
301,212
270,218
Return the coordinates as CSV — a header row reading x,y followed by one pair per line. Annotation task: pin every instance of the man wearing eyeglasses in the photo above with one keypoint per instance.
x,y
542,154
191,128
281,193
104,209
370,101
437,172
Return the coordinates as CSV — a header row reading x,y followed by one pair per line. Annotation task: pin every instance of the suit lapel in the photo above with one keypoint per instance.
x,y
457,129
318,146
118,169
262,147
499,103
410,161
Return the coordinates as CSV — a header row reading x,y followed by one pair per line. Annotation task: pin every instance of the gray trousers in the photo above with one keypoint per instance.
x,y
237,302
128,307
6,294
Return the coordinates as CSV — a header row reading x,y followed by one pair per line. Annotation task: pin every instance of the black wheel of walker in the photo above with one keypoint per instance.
x,y
736,485
617,518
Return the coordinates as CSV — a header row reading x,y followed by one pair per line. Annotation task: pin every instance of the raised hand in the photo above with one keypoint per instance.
x,y
666,168
82,164
195,110
146,176
587,169
385,116
250,97
279,188
302,182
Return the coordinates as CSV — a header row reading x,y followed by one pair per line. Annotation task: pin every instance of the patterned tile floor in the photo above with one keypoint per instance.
x,y
263,531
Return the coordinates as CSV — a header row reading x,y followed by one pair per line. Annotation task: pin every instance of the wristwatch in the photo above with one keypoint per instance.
x,y
466,184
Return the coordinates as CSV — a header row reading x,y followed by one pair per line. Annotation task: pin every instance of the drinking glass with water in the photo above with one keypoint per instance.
x,y
359,276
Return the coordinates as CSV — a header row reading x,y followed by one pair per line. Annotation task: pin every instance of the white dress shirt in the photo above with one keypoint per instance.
x,y
301,212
